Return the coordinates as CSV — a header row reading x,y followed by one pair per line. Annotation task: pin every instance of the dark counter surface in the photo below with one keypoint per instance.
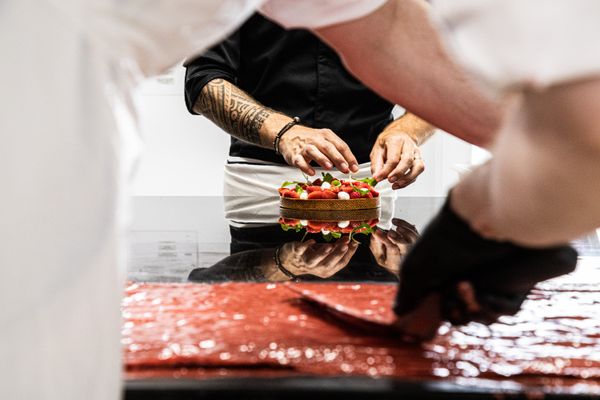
x,y
212,240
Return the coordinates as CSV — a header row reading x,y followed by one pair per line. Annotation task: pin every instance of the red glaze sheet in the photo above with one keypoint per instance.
x,y
200,330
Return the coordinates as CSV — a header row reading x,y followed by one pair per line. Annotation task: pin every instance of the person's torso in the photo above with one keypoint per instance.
x,y
295,73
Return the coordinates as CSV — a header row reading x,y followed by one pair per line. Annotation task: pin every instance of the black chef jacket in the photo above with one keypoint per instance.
x,y
292,72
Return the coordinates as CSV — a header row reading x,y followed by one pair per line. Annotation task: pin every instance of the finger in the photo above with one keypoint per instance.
x,y
333,154
417,169
352,247
341,248
404,225
345,151
392,158
402,168
303,246
313,153
401,185
377,161
302,164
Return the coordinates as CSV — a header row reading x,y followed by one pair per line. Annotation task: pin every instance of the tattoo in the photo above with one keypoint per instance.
x,y
232,109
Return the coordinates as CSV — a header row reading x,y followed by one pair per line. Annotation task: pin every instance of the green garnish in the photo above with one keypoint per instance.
x,y
361,191
327,177
364,229
369,181
335,182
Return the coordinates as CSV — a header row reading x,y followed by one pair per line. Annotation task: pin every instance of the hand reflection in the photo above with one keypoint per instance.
x,y
319,259
389,247
431,294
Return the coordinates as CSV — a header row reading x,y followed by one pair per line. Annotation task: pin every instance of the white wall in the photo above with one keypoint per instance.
x,y
183,152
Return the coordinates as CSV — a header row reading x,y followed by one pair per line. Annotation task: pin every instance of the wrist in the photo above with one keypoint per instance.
x,y
396,132
272,126
286,128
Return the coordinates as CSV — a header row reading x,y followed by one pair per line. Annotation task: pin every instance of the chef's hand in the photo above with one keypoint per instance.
x,y
396,157
301,145
389,247
318,259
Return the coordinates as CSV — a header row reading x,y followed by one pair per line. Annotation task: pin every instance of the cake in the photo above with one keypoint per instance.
x,y
329,193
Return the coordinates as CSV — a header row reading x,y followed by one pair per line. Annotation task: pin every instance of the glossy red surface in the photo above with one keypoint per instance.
x,y
203,330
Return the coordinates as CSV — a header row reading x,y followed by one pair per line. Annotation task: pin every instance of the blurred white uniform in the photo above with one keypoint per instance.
x,y
67,65
535,43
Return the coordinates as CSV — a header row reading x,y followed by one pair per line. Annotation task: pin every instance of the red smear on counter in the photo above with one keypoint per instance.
x,y
234,329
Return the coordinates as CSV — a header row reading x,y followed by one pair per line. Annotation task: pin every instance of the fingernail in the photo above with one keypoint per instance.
x,y
393,179
354,167
344,165
328,165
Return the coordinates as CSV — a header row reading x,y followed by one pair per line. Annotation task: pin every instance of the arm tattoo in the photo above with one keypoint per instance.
x,y
233,110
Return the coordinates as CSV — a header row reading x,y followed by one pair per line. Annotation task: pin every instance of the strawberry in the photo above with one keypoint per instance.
x,y
291,193
316,195
374,192
328,194
316,225
317,182
311,188
355,195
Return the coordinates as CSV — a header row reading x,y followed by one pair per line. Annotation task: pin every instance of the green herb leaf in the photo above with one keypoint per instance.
x,y
327,177
360,190
336,235
335,182
369,181
285,227
364,229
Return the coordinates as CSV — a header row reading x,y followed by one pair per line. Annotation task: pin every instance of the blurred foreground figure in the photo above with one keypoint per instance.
x,y
66,121
541,189
67,65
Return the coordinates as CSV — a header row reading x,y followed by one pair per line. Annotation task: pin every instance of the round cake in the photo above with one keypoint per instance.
x,y
329,193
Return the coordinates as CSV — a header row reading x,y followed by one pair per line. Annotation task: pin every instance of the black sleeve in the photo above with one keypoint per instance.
x,y
221,61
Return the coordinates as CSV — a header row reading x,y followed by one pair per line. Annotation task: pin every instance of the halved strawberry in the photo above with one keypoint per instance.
x,y
355,195
311,188
328,194
316,195
291,194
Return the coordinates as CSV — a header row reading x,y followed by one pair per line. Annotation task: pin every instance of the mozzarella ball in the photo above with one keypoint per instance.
x,y
343,224
303,222
325,185
343,196
304,195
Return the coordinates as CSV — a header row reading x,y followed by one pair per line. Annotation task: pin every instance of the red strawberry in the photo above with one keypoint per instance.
x,y
317,182
292,194
316,225
355,195
311,189
328,194
316,195
374,192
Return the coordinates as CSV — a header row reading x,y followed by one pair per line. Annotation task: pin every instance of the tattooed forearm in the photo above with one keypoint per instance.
x,y
232,110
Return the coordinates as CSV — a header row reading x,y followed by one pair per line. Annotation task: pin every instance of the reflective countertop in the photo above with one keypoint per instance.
x,y
215,240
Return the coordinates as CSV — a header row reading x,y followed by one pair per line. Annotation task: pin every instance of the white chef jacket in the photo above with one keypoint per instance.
x,y
533,43
66,72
